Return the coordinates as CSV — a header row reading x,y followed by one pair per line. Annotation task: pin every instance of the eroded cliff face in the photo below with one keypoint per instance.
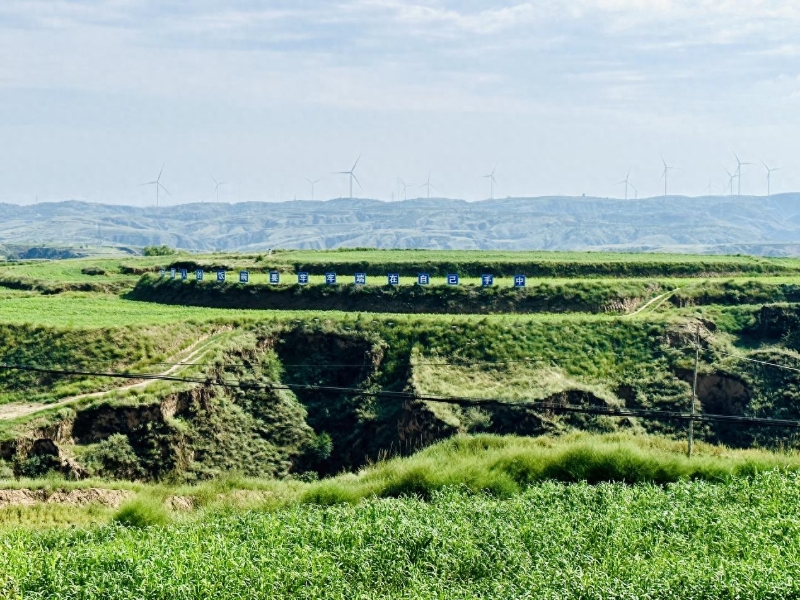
x,y
317,400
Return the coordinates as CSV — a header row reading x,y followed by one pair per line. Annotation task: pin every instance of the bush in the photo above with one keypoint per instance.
x,y
35,465
115,457
162,250
142,511
6,472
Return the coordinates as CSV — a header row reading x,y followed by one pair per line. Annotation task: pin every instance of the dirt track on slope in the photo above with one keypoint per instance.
x,y
14,410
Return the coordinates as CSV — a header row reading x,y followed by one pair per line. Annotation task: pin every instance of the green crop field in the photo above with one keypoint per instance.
x,y
424,536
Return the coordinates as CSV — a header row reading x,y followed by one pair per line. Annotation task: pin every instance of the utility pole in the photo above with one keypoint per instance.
x,y
694,388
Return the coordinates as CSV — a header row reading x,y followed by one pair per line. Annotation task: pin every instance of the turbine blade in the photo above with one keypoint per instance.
x,y
212,179
356,178
165,189
160,172
356,163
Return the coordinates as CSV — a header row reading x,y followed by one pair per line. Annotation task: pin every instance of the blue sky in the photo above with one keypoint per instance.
x,y
564,96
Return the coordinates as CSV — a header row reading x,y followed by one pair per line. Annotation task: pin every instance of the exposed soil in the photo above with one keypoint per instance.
x,y
26,497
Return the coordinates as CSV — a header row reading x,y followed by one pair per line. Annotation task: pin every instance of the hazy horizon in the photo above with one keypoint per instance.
x,y
167,204
564,97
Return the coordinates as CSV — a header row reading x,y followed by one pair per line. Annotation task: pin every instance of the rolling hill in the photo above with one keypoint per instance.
x,y
729,225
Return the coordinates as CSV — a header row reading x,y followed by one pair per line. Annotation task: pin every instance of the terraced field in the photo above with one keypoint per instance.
x,y
115,376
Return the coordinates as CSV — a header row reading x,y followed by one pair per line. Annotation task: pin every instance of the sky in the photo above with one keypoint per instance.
x,y
562,96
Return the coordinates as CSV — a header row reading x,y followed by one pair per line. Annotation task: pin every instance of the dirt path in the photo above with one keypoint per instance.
x,y
14,410
660,298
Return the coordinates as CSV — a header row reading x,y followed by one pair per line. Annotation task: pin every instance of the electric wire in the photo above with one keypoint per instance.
x,y
408,396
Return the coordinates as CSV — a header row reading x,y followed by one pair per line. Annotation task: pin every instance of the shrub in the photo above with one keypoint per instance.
x,y
35,465
115,457
142,511
162,250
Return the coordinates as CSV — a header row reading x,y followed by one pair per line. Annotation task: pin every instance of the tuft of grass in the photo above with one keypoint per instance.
x,y
142,511
505,466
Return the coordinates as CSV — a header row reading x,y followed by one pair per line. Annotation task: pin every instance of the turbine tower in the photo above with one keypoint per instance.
x,y
352,175
665,174
769,175
157,184
313,183
216,186
429,185
627,182
492,182
731,177
405,188
738,173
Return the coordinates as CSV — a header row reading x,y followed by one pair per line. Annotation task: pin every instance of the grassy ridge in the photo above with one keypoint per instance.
x,y
581,296
505,466
473,264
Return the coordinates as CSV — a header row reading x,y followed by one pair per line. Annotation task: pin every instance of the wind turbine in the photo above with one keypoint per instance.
x,y
709,187
216,186
739,165
313,183
352,175
769,174
429,185
405,188
492,182
665,174
157,184
627,182
731,177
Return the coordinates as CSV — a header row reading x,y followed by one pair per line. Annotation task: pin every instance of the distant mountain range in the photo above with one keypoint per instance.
x,y
746,224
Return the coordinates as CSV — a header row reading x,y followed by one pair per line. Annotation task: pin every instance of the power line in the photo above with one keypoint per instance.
x,y
408,396
760,362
